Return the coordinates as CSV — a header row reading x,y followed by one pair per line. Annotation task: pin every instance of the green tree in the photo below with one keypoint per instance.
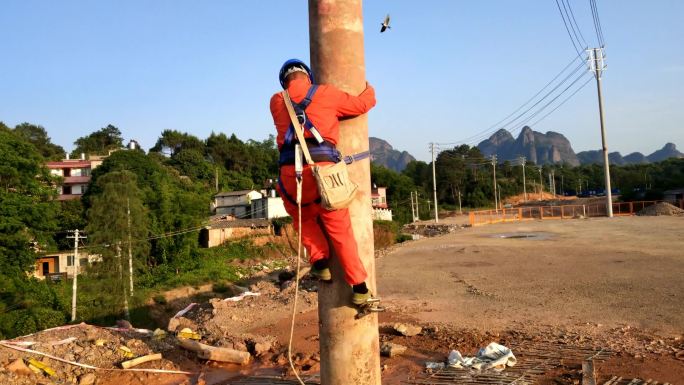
x,y
99,142
37,136
172,142
172,203
117,225
27,221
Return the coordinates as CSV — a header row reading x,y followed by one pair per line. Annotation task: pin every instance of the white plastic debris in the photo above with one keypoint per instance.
x,y
494,356
242,296
434,365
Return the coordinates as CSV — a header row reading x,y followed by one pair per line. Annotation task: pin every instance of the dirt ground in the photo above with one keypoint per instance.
x,y
588,284
613,272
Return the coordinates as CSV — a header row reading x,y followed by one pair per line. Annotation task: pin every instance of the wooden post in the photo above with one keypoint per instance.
x,y
350,348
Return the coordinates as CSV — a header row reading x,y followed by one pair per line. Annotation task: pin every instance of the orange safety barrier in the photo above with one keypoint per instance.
x,y
483,217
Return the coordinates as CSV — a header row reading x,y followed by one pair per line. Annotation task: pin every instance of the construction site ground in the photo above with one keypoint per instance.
x,y
541,287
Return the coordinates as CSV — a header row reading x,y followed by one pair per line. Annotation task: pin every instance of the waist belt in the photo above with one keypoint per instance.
x,y
323,152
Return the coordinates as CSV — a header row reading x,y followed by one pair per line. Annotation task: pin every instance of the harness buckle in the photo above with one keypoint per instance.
x,y
349,159
301,117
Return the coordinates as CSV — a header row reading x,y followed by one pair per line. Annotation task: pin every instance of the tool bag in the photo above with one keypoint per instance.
x,y
336,189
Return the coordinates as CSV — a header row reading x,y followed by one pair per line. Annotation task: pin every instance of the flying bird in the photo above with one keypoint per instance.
x,y
385,24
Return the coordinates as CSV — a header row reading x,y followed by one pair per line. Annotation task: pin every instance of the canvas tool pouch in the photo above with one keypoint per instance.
x,y
337,191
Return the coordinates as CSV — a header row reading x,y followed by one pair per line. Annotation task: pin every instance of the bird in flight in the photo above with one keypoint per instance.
x,y
385,24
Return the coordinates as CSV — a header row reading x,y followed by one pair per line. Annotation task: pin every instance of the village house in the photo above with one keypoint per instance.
x,y
674,196
76,174
237,204
381,211
269,206
224,228
60,264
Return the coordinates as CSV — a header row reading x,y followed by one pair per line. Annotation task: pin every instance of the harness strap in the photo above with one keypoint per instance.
x,y
299,110
349,159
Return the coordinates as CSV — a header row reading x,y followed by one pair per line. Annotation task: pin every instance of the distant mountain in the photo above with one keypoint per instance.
x,y
668,151
596,156
383,154
537,147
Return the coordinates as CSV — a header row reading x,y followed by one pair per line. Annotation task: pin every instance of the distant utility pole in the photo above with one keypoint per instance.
x,y
417,207
76,237
130,245
597,66
434,180
541,183
579,189
413,209
428,205
522,161
459,202
496,201
500,202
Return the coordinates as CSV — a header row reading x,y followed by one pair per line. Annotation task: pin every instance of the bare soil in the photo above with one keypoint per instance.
x,y
613,284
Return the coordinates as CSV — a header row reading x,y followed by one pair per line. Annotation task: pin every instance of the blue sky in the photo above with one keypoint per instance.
x,y
446,71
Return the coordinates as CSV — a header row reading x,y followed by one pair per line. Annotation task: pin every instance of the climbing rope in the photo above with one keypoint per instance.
x,y
299,172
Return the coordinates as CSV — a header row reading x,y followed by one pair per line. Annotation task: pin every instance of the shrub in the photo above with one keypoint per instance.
x,y
159,299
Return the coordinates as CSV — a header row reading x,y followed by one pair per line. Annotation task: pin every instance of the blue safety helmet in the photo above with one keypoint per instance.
x,y
294,63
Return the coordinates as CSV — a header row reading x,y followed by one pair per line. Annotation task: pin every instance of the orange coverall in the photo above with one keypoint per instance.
x,y
327,106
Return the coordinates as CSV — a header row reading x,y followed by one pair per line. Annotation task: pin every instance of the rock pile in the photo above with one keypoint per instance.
x,y
430,229
662,208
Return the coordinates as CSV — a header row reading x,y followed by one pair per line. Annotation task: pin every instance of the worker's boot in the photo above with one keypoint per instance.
x,y
360,294
320,270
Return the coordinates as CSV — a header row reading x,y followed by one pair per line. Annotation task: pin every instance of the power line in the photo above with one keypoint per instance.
x,y
552,100
496,126
561,103
510,122
576,25
597,23
568,30
573,22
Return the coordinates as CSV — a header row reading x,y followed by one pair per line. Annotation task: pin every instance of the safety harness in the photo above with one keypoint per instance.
x,y
320,149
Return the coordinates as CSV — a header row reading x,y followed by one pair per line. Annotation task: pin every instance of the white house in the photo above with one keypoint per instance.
x,y
235,203
269,207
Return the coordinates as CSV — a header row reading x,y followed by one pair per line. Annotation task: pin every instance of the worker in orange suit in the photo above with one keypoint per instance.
x,y
318,108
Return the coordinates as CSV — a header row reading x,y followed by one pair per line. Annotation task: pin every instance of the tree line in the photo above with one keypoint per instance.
x,y
142,210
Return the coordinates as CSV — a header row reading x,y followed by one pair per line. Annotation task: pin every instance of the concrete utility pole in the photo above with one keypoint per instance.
x,y
349,348
417,207
541,183
130,245
500,202
413,209
496,202
127,313
522,161
459,202
77,265
434,180
597,66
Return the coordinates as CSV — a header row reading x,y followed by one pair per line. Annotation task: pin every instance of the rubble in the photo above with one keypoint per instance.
x,y
87,379
389,349
19,367
407,330
430,229
662,208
